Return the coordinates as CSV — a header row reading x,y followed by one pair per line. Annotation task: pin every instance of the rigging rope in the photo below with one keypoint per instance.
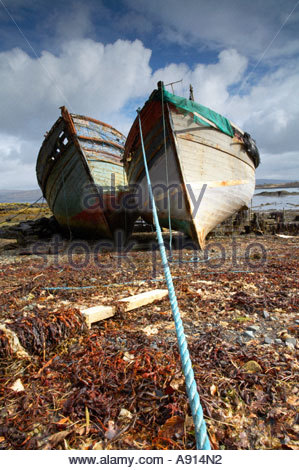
x,y
167,182
202,440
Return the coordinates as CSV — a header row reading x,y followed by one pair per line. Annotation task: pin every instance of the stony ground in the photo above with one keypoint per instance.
x,y
119,385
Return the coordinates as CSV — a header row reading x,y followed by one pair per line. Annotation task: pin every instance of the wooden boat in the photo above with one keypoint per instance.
x,y
80,173
202,167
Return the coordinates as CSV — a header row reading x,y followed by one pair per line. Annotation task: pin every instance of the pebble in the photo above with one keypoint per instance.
x,y
297,322
278,341
268,340
253,328
266,314
249,334
291,342
273,318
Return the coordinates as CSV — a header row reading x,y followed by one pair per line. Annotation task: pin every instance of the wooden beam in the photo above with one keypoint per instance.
x,y
142,299
98,313
101,312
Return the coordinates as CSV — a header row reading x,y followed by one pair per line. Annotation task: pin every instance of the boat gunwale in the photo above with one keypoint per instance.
x,y
86,118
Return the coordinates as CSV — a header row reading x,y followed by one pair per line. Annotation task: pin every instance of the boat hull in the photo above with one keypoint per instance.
x,y
80,172
203,175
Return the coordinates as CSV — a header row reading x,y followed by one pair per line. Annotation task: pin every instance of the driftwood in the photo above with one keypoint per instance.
x,y
101,312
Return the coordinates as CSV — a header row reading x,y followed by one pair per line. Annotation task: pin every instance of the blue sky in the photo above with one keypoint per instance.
x,y
103,58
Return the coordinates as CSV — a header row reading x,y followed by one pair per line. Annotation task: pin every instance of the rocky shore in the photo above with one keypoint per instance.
x,y
119,384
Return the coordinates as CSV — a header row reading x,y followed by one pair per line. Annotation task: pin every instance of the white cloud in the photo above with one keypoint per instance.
x,y
270,111
8,146
210,82
18,158
246,26
87,76
109,82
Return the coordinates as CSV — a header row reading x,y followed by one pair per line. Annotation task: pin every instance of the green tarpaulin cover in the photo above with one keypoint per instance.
x,y
189,106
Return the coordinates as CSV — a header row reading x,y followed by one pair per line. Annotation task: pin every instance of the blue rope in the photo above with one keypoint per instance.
x,y
202,440
167,184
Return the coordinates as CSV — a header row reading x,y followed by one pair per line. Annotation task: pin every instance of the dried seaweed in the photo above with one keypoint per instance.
x,y
43,330
5,348
120,384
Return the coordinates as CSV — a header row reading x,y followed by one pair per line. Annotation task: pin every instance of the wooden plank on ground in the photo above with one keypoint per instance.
x,y
142,299
101,312
97,313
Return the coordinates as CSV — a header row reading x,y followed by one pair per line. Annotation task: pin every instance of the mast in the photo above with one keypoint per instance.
x,y
191,96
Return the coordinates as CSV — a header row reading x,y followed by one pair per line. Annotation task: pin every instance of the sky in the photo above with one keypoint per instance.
x,y
103,58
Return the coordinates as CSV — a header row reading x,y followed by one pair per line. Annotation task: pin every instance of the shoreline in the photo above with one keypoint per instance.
x,y
24,226
276,193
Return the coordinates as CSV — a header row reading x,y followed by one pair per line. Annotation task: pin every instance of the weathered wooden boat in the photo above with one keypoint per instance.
x,y
202,166
80,173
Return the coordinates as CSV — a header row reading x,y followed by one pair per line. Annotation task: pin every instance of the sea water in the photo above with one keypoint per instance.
x,y
271,202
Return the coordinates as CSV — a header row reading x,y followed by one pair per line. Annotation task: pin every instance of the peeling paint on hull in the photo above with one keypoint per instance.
x,y
80,173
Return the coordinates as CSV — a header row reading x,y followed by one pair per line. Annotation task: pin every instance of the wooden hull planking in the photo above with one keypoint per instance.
x,y
80,172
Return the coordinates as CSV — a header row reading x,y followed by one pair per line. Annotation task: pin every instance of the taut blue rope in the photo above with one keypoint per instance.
x,y
167,182
202,440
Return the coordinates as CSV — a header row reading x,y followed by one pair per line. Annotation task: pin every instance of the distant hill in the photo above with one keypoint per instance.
x,y
17,195
272,183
